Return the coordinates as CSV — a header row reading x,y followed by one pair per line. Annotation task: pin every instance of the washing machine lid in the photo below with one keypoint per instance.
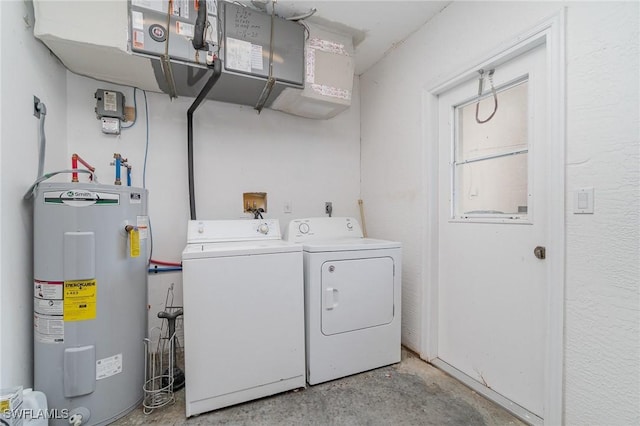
x,y
349,244
237,248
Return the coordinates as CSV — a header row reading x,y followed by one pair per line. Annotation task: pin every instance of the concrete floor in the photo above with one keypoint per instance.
x,y
409,393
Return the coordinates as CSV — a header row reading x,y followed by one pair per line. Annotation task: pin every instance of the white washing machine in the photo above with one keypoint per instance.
x,y
243,313
352,297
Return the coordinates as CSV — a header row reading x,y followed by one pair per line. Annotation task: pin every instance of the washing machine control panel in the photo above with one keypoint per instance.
x,y
322,228
213,231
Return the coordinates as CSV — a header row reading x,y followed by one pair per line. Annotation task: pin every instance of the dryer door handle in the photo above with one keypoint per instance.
x,y
330,298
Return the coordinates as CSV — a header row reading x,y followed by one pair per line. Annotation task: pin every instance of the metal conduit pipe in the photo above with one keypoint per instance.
x,y
217,70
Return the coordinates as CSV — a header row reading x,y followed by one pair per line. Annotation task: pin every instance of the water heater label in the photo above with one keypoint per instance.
x,y
80,298
135,198
48,328
48,324
107,367
47,306
81,198
143,226
47,289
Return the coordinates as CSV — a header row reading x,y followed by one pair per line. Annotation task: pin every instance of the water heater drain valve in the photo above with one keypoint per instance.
x,y
79,416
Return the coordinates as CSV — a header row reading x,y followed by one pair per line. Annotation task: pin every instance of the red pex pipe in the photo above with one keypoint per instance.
x,y
75,159
163,263
74,165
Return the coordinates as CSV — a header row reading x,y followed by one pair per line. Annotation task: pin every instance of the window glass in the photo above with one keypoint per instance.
x,y
491,159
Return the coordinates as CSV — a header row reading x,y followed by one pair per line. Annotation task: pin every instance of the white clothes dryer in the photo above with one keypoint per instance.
x,y
352,297
243,313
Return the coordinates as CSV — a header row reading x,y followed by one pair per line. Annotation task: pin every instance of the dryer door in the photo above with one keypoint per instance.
x,y
356,294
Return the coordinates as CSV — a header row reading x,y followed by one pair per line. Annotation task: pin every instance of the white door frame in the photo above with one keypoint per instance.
x,y
552,33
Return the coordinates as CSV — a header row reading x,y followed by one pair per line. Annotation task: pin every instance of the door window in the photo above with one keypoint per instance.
x,y
491,158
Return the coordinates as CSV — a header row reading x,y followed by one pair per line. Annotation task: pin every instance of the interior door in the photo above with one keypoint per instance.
x,y
492,211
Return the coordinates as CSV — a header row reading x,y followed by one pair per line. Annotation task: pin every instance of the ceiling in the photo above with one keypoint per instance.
x,y
376,26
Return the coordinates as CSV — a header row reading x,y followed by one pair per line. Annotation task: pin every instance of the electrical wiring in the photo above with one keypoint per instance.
x,y
32,189
309,14
218,33
42,139
307,31
208,32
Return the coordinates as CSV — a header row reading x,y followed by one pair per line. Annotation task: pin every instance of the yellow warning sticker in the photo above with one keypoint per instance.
x,y
4,405
134,243
80,300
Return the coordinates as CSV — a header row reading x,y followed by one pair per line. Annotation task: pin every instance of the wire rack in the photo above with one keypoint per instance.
x,y
158,386
159,364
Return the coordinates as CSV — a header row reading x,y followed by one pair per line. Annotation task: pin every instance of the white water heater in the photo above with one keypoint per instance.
x,y
90,299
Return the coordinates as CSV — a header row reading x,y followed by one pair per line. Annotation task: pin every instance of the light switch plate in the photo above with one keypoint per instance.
x,y
583,201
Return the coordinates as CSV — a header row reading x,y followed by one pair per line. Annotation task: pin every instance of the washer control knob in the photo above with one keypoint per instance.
x,y
304,228
349,225
200,229
263,229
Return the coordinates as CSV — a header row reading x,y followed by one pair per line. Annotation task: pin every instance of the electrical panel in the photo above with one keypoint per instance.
x,y
109,103
110,110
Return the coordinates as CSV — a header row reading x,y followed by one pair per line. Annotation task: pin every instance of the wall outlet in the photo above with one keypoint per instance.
x,y
287,207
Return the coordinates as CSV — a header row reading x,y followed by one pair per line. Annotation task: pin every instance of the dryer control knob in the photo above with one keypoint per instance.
x,y
304,228
349,225
200,229
264,228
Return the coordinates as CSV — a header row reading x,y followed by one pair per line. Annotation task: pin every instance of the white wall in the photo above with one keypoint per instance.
x,y
602,350
2,322
306,162
28,69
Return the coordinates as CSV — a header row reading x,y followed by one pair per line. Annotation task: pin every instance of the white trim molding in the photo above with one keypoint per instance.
x,y
551,33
